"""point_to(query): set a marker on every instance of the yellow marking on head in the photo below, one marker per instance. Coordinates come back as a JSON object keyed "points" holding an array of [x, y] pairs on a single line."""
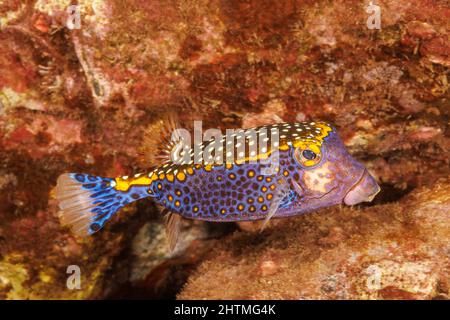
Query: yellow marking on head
{"points": [[326, 129], [313, 146], [314, 143], [309, 163], [259, 156]]}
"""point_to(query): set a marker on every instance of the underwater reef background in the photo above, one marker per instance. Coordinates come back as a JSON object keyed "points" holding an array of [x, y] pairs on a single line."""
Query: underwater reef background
{"points": [[81, 100]]}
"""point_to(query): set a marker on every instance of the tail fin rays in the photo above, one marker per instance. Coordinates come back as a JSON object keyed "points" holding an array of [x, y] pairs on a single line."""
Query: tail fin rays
{"points": [[86, 201]]}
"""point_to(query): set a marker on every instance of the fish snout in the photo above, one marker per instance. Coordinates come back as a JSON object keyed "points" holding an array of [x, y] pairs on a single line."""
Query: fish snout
{"points": [[363, 191]]}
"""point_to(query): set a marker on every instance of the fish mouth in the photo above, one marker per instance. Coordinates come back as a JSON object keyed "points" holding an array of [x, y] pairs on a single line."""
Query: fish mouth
{"points": [[364, 190]]}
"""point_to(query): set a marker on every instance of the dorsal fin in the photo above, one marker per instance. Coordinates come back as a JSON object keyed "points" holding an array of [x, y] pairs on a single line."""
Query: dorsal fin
{"points": [[157, 144]]}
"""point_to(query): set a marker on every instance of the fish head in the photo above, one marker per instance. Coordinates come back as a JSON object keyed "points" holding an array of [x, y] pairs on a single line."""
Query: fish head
{"points": [[325, 174]]}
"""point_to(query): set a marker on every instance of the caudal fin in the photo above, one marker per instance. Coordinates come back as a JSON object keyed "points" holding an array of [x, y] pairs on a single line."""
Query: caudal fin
{"points": [[87, 201]]}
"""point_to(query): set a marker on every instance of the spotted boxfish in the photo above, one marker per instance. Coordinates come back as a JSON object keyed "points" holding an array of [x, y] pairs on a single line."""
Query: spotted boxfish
{"points": [[295, 168]]}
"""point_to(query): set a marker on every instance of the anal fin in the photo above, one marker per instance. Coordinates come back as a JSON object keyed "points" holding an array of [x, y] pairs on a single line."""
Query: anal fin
{"points": [[173, 224]]}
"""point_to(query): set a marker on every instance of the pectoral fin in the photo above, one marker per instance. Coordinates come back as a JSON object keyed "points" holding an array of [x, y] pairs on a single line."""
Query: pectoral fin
{"points": [[281, 191]]}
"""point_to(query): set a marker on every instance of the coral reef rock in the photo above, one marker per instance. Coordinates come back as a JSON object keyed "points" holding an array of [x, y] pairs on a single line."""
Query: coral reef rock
{"points": [[390, 251], [81, 99]]}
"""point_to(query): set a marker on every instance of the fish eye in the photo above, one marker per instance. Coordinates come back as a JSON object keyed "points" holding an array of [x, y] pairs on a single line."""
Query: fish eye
{"points": [[308, 156]]}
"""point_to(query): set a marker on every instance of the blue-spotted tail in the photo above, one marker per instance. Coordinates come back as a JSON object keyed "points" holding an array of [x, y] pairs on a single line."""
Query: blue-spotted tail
{"points": [[87, 201]]}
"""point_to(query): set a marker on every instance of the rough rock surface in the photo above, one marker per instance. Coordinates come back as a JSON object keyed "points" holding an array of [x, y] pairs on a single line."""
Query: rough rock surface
{"points": [[81, 99], [391, 251]]}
